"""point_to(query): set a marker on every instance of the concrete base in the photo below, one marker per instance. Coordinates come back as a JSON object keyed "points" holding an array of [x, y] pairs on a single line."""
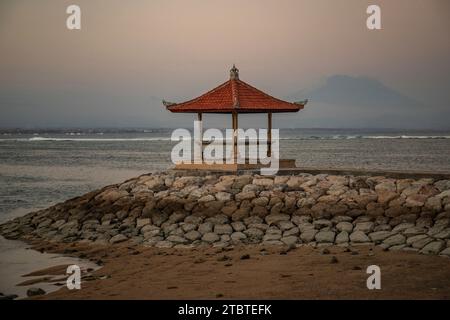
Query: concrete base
{"points": [[233, 167], [332, 171]]}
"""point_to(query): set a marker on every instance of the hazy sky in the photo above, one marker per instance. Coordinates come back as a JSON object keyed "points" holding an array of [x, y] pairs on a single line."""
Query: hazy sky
{"points": [[131, 54]]}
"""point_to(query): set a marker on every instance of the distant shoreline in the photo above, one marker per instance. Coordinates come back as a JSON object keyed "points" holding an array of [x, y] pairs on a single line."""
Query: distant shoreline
{"points": [[62, 129]]}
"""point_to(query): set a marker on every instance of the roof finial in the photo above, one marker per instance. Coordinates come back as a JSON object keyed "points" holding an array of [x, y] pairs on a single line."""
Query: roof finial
{"points": [[234, 73]]}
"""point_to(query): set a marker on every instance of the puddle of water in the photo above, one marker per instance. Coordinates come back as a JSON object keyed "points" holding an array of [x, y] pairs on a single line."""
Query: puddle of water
{"points": [[17, 259]]}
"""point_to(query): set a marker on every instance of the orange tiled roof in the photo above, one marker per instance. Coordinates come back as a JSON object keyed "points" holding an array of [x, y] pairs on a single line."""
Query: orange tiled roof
{"points": [[235, 96]]}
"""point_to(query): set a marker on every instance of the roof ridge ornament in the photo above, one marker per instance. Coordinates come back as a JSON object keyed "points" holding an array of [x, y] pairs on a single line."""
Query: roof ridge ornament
{"points": [[234, 73], [168, 104], [302, 102]]}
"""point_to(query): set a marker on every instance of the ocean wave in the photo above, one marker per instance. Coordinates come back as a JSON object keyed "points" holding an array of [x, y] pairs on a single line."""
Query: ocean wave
{"points": [[406, 137], [97, 139], [102, 138]]}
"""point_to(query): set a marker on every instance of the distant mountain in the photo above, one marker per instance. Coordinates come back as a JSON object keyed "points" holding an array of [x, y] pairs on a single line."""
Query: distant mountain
{"points": [[357, 91], [361, 102]]}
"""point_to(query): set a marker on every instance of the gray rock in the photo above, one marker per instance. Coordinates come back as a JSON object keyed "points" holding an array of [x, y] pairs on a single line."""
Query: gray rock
{"points": [[210, 237], [297, 220], [305, 227], [223, 196], [308, 235], [289, 240], [325, 237], [193, 235], [339, 219], [205, 227], [422, 242], [193, 220], [35, 292], [442, 185], [248, 195], [186, 227], [118, 238], [137, 239], [159, 219], [254, 233], [342, 237], [8, 296], [238, 226], [424, 222], [382, 227], [285, 225], [444, 234], [206, 198], [272, 236], [168, 227], [261, 226], [275, 218], [238, 236], [142, 222], [291, 232], [402, 227], [415, 238], [176, 239], [152, 233], [164, 244], [252, 220], [414, 231], [59, 223], [322, 223], [223, 229], [218, 219], [177, 217], [264, 182], [273, 243], [260, 201], [433, 247], [69, 225], [344, 226], [445, 252], [436, 229], [359, 237], [273, 230], [395, 240], [386, 186], [444, 222], [365, 227], [380, 235]]}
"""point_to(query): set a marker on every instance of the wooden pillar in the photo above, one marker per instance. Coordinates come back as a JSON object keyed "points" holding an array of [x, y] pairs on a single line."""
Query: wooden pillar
{"points": [[235, 141], [199, 118], [269, 134]]}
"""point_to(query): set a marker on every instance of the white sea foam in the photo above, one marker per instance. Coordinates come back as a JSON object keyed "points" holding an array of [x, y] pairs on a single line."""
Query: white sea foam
{"points": [[406, 137], [97, 139], [102, 138]]}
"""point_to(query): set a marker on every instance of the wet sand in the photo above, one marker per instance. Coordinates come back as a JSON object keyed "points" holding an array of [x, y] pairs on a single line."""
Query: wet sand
{"points": [[250, 272], [18, 264]]}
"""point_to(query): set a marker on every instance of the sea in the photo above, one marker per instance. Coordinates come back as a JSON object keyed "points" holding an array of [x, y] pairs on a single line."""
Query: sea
{"points": [[39, 168]]}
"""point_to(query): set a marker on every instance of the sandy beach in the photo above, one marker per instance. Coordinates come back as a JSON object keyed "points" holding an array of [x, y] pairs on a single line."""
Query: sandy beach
{"points": [[298, 236], [256, 272]]}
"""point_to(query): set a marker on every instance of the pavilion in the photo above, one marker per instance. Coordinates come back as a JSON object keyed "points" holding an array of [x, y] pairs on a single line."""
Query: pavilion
{"points": [[234, 97]]}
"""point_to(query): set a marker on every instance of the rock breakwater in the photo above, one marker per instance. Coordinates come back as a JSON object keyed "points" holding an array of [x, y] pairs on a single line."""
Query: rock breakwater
{"points": [[167, 210]]}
